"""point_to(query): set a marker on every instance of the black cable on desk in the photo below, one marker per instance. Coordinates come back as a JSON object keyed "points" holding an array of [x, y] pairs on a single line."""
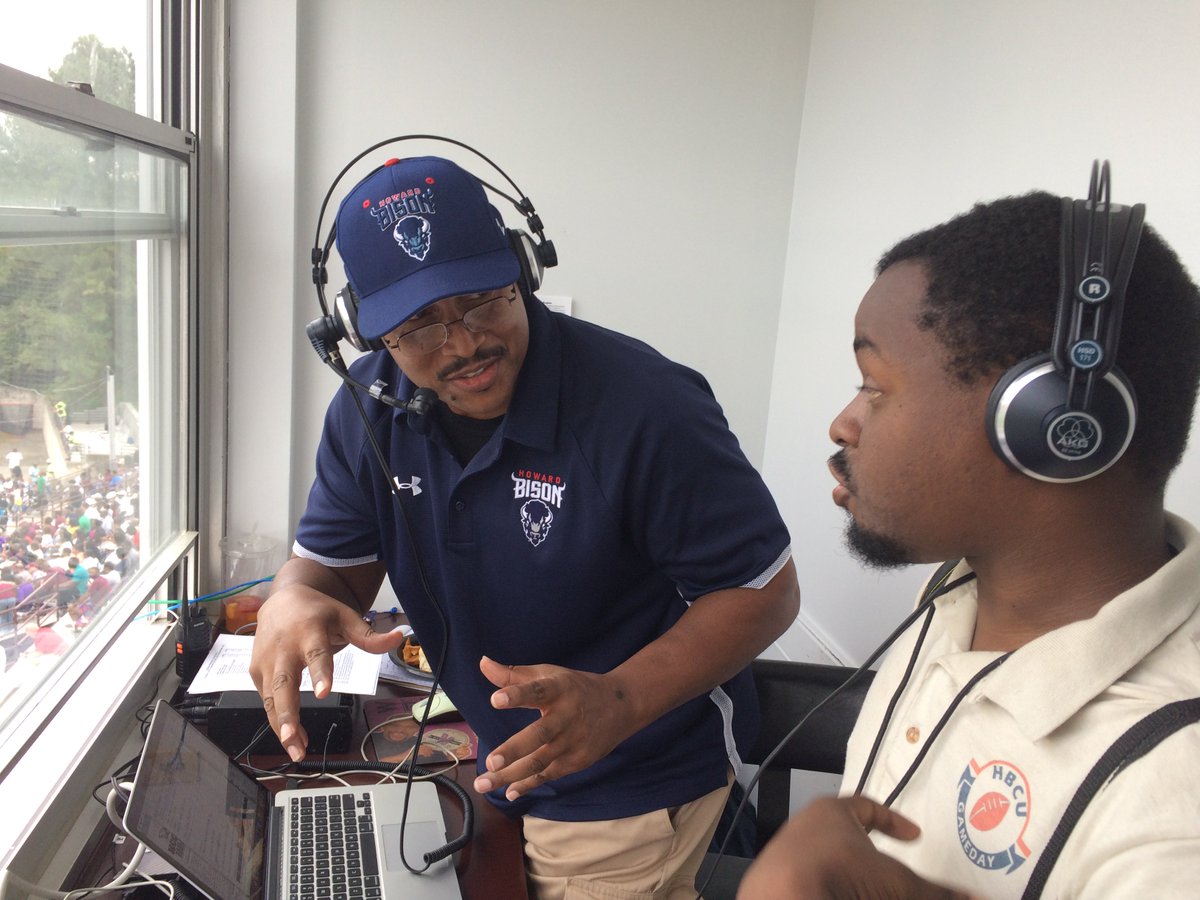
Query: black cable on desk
{"points": [[455, 788]]}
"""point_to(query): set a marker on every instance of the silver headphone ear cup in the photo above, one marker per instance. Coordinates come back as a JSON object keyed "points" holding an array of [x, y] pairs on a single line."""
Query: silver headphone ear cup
{"points": [[1031, 428], [528, 256], [345, 314]]}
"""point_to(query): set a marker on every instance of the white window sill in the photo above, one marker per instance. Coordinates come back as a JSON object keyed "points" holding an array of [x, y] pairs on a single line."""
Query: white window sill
{"points": [[76, 733]]}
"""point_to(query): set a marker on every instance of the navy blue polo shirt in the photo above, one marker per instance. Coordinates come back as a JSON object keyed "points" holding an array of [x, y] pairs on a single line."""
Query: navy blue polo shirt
{"points": [[611, 495]]}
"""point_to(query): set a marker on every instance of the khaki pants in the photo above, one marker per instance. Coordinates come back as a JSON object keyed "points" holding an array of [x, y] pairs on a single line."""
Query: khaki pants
{"points": [[654, 856]]}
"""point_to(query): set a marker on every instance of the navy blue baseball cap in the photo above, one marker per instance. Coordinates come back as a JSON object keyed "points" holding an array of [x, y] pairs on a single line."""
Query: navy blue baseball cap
{"points": [[415, 231]]}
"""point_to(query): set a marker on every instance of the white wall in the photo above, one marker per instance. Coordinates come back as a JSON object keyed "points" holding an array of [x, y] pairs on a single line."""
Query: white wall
{"points": [[265, 270], [912, 112], [663, 143], [657, 140]]}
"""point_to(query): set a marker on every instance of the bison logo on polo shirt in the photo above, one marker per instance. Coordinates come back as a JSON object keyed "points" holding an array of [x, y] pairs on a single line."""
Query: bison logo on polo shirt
{"points": [[542, 494], [536, 518]]}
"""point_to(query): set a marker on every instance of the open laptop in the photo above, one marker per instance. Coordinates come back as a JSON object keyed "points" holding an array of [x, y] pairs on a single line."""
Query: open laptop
{"points": [[226, 834]]}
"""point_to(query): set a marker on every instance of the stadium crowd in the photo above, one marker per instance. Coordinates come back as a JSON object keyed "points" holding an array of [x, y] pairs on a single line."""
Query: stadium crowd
{"points": [[65, 544]]}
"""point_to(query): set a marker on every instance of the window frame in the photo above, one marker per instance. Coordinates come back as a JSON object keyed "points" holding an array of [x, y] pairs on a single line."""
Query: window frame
{"points": [[43, 839]]}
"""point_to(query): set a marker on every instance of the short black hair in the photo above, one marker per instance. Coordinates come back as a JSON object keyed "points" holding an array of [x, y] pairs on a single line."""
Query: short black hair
{"points": [[993, 292]]}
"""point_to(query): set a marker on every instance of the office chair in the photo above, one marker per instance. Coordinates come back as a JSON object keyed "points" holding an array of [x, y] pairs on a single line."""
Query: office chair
{"points": [[786, 692]]}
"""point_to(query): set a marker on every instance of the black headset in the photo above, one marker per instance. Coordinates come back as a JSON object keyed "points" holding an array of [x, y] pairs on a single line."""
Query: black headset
{"points": [[1069, 414], [341, 324]]}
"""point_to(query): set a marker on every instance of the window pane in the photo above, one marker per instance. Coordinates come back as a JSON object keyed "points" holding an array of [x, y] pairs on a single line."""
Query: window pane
{"points": [[92, 251], [70, 173], [107, 45]]}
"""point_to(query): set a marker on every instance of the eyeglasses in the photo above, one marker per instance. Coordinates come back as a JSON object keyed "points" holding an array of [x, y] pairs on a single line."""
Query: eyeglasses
{"points": [[488, 312]]}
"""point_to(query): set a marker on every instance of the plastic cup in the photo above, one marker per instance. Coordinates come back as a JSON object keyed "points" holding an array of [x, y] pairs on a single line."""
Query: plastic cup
{"points": [[245, 558]]}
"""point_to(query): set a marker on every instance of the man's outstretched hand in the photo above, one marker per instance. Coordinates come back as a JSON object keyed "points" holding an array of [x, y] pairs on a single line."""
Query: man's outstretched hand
{"points": [[583, 717]]}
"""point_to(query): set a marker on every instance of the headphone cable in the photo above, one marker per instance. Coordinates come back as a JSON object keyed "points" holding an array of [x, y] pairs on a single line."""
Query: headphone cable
{"points": [[445, 622], [935, 589]]}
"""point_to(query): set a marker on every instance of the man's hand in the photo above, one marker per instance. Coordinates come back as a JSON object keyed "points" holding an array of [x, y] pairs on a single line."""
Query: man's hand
{"points": [[823, 852], [583, 717], [301, 626]]}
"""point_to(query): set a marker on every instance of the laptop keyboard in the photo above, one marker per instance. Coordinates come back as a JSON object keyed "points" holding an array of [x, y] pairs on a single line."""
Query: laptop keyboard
{"points": [[332, 848]]}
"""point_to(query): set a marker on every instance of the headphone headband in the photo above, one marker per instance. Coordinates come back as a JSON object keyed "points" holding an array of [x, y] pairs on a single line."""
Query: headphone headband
{"points": [[534, 255], [1099, 244], [1069, 414]]}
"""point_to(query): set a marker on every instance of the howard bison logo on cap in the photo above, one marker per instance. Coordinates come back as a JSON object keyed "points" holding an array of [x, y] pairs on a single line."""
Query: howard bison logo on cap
{"points": [[412, 233]]}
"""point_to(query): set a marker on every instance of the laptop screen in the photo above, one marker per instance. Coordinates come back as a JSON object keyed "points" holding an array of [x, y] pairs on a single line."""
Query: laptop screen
{"points": [[198, 810]]}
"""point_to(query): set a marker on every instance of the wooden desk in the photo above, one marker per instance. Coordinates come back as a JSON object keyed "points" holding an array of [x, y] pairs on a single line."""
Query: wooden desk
{"points": [[490, 867]]}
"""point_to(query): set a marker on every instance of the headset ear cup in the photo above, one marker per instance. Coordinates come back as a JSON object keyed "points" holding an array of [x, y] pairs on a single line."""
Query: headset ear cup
{"points": [[1031, 429], [345, 317], [529, 258]]}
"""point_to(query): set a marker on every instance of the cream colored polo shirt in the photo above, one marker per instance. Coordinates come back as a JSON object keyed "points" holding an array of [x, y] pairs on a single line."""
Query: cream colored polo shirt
{"points": [[997, 779]]}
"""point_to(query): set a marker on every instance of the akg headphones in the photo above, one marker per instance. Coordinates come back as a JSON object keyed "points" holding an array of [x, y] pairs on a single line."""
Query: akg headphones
{"points": [[341, 323], [1069, 414]]}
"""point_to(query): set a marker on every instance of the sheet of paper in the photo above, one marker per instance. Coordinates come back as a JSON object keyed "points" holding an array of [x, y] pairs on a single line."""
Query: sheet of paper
{"points": [[227, 668]]}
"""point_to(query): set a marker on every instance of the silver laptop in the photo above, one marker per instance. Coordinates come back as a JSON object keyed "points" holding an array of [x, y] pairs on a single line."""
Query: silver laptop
{"points": [[226, 834]]}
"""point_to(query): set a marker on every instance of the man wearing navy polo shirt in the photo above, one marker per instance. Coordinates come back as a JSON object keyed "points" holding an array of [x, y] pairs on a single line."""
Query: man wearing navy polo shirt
{"points": [[582, 544]]}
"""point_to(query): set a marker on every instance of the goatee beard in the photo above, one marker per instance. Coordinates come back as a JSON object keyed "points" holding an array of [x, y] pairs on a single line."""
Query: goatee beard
{"points": [[876, 550]]}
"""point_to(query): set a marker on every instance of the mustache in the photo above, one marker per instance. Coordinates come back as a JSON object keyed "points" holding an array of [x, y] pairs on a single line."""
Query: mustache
{"points": [[841, 467], [483, 355]]}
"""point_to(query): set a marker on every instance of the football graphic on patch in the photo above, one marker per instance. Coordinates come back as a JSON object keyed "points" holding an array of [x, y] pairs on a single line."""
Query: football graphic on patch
{"points": [[991, 813], [988, 811]]}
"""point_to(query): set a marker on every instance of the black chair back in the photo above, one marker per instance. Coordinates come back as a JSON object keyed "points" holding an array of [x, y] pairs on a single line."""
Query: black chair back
{"points": [[787, 692]]}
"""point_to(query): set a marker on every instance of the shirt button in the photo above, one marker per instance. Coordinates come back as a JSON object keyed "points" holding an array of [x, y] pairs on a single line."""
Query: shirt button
{"points": [[913, 734], [459, 505]]}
